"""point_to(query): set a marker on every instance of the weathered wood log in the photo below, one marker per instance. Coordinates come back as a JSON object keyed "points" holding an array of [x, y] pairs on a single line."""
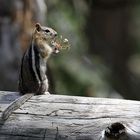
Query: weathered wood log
{"points": [[58, 117]]}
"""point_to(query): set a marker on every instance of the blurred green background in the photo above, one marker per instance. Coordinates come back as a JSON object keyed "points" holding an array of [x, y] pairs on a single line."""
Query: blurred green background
{"points": [[104, 59]]}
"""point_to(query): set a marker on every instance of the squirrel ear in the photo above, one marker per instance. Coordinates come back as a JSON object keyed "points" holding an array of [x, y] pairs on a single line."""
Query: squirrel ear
{"points": [[38, 26]]}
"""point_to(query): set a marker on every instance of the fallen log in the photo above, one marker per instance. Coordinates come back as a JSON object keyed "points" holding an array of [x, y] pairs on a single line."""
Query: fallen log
{"points": [[59, 117]]}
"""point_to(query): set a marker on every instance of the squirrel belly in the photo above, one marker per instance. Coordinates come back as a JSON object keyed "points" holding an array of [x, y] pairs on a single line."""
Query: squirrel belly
{"points": [[32, 78]]}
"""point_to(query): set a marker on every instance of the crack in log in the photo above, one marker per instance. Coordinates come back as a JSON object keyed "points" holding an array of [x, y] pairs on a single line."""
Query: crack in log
{"points": [[129, 127], [70, 111], [20, 135], [57, 133], [92, 103], [45, 134], [81, 117]]}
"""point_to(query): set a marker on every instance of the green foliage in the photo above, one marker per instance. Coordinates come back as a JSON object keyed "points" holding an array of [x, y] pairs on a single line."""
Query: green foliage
{"points": [[73, 71]]}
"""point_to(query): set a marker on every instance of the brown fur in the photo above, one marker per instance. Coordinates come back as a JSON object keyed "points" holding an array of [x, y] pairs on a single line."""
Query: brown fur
{"points": [[40, 37]]}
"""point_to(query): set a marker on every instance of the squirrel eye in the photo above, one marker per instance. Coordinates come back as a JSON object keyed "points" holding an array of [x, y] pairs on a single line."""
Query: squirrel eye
{"points": [[47, 31]]}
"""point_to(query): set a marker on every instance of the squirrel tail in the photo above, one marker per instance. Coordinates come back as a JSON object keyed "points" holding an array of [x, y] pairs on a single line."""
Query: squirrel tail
{"points": [[15, 105]]}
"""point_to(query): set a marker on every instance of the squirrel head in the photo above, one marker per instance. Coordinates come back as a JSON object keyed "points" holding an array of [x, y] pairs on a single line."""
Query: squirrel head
{"points": [[45, 33], [43, 37]]}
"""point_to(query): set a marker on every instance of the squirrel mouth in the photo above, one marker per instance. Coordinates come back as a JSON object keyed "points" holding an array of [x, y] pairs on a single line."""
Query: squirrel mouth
{"points": [[56, 46], [56, 51]]}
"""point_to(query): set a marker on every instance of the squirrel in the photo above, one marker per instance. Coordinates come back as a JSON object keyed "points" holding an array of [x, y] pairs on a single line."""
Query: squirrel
{"points": [[32, 76]]}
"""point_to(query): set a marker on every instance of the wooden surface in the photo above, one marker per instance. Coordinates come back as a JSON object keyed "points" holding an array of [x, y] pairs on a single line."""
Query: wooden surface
{"points": [[58, 117]]}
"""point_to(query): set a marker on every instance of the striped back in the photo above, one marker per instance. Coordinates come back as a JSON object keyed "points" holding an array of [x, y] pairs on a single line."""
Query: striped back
{"points": [[32, 78]]}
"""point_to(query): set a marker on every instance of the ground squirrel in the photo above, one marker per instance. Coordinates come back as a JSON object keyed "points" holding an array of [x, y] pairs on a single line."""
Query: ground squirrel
{"points": [[32, 77]]}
